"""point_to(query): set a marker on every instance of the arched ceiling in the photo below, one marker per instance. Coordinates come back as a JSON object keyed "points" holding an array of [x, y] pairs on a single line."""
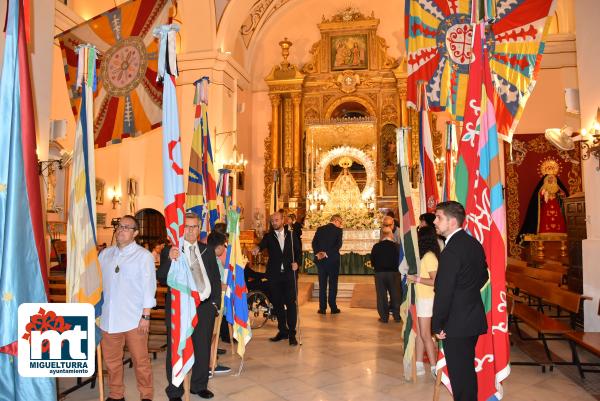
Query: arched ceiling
{"points": [[297, 20]]}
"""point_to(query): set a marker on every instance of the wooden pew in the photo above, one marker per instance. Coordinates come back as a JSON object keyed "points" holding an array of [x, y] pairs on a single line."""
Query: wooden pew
{"points": [[546, 327], [157, 339], [57, 292], [588, 341], [537, 273]]}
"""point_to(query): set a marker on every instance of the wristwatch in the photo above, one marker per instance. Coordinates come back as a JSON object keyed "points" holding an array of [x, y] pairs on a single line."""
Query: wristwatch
{"points": [[146, 317]]}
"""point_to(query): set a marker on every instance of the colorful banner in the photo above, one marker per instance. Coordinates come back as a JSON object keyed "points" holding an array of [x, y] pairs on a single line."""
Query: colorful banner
{"points": [[448, 190], [202, 187], [84, 275], [184, 294], [439, 42], [428, 189], [479, 188], [236, 294], [128, 98], [409, 260], [22, 251], [224, 199]]}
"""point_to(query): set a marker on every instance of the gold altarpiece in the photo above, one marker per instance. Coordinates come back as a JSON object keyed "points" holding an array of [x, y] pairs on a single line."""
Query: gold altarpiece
{"points": [[363, 76]]}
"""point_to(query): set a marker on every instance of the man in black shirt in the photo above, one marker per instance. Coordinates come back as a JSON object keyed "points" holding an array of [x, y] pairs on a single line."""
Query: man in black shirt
{"points": [[385, 259]]}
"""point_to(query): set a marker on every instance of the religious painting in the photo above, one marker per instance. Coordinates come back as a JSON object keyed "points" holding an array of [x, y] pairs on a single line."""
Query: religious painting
{"points": [[349, 52], [100, 219], [240, 178], [99, 191]]}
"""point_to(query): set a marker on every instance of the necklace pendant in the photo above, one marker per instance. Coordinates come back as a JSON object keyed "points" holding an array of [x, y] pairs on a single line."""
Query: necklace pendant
{"points": [[117, 269]]}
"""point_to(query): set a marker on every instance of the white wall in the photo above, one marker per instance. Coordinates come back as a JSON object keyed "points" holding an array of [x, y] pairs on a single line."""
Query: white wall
{"points": [[588, 58]]}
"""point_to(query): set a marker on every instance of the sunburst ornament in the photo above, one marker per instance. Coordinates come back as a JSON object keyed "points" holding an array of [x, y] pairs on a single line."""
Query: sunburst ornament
{"points": [[128, 98], [438, 40], [2, 188], [549, 166]]}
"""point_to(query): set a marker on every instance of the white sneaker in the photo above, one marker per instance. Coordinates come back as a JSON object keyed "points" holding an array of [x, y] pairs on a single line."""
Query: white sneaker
{"points": [[420, 369]]}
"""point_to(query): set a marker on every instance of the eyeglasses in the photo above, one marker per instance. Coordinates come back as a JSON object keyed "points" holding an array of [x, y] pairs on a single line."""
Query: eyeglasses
{"points": [[191, 227], [120, 227]]}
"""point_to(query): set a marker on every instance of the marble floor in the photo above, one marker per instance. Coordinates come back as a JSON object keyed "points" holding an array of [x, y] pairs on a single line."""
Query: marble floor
{"points": [[350, 356]]}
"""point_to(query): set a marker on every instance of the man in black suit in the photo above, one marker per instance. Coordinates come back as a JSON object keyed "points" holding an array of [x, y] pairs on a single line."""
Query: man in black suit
{"points": [[326, 247], [458, 312], [285, 253], [202, 260], [294, 225]]}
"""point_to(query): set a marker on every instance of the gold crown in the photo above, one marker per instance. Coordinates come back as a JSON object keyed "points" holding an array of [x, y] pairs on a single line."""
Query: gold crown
{"points": [[345, 162], [549, 167]]}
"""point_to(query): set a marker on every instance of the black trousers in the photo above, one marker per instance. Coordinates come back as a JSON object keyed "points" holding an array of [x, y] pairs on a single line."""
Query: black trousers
{"points": [[201, 338], [328, 276], [460, 357], [283, 298], [388, 283]]}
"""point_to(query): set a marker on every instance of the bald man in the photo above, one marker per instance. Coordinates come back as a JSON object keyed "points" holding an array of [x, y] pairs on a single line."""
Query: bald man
{"points": [[285, 253]]}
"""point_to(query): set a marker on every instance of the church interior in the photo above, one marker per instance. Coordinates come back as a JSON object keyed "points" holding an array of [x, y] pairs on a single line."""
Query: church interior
{"points": [[320, 109]]}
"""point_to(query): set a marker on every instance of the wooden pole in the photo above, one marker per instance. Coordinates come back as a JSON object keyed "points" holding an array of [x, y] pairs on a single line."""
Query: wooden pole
{"points": [[231, 338], [216, 336], [436, 389], [186, 387], [100, 373]]}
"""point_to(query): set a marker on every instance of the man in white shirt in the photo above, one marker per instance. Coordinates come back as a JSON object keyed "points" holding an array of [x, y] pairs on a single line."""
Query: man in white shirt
{"points": [[129, 287], [203, 264]]}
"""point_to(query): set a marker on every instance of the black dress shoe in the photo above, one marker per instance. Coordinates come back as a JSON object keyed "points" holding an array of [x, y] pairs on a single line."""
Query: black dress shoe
{"points": [[115, 399], [175, 399], [334, 311], [146, 399], [220, 351], [321, 311], [383, 320], [293, 341], [206, 393], [279, 337]]}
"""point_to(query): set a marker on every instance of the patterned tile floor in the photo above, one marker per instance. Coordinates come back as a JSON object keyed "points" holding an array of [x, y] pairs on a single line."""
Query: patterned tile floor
{"points": [[349, 356]]}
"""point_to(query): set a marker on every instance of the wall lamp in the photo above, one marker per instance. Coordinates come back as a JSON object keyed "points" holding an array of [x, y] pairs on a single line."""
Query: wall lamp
{"points": [[591, 143], [115, 197]]}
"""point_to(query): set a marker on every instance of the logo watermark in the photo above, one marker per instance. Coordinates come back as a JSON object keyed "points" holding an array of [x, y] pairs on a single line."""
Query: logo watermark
{"points": [[56, 340]]}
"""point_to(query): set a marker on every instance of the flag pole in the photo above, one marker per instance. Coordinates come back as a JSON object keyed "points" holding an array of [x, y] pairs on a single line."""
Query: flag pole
{"points": [[296, 275], [215, 342], [186, 387], [100, 373]]}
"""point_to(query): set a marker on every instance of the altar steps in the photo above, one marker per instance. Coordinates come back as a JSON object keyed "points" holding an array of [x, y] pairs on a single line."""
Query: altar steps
{"points": [[359, 295]]}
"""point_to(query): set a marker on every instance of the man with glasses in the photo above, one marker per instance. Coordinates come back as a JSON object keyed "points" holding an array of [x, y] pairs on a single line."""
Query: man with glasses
{"points": [[129, 287], [203, 264]]}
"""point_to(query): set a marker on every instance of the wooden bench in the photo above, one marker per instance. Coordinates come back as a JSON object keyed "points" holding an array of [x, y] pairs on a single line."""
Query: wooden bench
{"points": [[537, 273], [546, 327], [588, 341], [57, 292], [157, 338]]}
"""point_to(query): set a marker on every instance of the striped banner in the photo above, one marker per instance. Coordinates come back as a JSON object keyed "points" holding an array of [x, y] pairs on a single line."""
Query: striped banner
{"points": [[448, 189], [479, 188], [202, 187], [235, 300], [428, 190], [223, 194], [409, 261], [184, 295], [84, 275]]}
